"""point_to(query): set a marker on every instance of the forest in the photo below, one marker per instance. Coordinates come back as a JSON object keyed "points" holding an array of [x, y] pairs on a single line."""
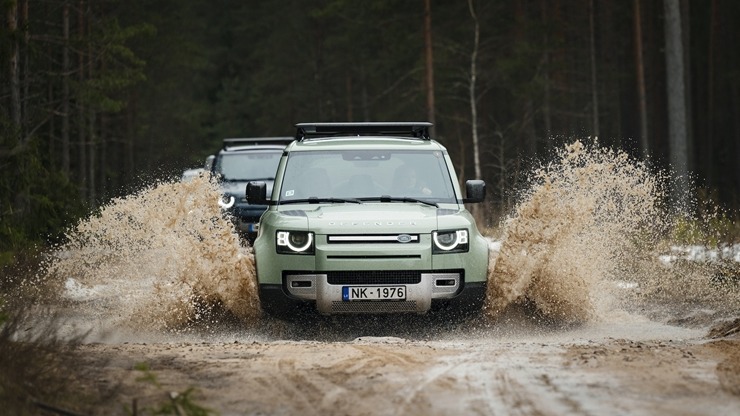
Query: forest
{"points": [[100, 97]]}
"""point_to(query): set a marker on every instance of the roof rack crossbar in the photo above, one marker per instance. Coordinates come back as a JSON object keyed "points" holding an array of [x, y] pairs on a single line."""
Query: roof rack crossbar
{"points": [[418, 130], [231, 142]]}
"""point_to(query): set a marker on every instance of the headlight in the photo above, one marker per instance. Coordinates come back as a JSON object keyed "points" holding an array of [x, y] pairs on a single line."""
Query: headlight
{"points": [[455, 241], [295, 242], [226, 201]]}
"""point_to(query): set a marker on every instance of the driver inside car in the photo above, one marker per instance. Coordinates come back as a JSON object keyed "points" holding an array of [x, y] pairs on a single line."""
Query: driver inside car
{"points": [[405, 183]]}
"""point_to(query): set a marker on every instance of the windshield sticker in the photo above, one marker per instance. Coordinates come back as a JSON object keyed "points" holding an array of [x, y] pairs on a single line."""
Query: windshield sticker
{"points": [[289, 193]]}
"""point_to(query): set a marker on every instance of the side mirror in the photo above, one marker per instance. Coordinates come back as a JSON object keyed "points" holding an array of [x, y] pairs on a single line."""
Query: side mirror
{"points": [[475, 190], [257, 193]]}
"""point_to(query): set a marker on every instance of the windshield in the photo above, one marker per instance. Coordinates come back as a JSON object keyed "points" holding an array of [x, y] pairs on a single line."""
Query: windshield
{"points": [[248, 166], [367, 174]]}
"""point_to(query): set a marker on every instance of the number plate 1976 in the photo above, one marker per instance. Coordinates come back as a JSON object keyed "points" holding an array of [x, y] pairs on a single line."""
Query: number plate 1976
{"points": [[373, 293]]}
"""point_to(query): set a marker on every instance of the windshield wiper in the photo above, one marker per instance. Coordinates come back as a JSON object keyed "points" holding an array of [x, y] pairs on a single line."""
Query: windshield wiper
{"points": [[386, 198], [316, 200], [248, 179]]}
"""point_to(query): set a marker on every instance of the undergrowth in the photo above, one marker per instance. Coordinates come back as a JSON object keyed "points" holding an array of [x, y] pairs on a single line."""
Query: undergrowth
{"points": [[38, 372]]}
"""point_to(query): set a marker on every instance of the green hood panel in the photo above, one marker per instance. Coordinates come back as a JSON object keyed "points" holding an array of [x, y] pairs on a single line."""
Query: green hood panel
{"points": [[371, 218]]}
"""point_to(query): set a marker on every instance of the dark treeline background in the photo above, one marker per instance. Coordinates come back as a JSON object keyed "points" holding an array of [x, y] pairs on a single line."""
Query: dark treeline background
{"points": [[99, 96]]}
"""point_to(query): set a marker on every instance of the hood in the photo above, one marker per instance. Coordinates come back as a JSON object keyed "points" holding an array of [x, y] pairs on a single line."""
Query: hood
{"points": [[372, 218]]}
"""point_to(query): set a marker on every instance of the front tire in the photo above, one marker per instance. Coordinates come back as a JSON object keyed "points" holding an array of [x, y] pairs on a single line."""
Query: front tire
{"points": [[277, 304]]}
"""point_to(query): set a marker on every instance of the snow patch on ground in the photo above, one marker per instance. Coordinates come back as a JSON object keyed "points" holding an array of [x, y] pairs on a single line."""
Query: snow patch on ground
{"points": [[698, 253]]}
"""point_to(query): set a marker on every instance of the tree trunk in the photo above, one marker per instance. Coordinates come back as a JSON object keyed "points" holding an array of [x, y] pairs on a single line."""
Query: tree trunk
{"points": [[526, 132], [13, 65], [66, 151], [594, 83], [26, 27], [429, 60], [81, 119], [546, 112], [735, 107], [92, 154], [709, 139], [91, 124], [21, 198], [477, 211], [686, 47], [473, 98], [676, 92], [641, 90], [51, 129], [103, 162], [502, 175], [130, 144]]}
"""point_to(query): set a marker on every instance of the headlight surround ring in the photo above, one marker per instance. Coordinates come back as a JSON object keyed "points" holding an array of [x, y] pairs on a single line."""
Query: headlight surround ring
{"points": [[451, 241], [295, 242], [226, 205]]}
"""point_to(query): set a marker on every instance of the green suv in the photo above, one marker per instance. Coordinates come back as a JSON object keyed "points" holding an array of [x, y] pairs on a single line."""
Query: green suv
{"points": [[368, 218]]}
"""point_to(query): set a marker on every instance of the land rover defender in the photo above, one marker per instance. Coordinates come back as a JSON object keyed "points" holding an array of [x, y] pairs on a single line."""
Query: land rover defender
{"points": [[368, 218]]}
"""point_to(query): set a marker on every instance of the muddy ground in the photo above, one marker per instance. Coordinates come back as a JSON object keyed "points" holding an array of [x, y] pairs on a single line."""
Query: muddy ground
{"points": [[623, 320], [421, 365]]}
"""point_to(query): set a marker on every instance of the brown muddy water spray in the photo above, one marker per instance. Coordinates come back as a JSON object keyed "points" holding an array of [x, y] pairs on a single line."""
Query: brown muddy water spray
{"points": [[161, 258], [590, 222]]}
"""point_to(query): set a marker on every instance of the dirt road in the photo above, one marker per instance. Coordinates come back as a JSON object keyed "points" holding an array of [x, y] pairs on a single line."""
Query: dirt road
{"points": [[516, 366], [647, 326]]}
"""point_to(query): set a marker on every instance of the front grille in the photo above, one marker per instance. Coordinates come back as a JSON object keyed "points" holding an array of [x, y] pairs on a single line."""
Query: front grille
{"points": [[374, 277], [373, 307], [375, 257], [373, 238]]}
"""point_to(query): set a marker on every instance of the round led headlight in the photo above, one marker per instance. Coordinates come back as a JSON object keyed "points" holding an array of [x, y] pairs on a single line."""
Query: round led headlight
{"points": [[447, 241], [225, 202], [295, 241]]}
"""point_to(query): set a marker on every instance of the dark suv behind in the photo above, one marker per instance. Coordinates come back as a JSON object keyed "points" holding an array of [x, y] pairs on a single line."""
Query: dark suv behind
{"points": [[239, 161]]}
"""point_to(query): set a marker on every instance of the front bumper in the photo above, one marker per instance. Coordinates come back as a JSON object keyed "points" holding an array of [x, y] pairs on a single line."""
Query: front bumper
{"points": [[424, 290], [326, 290]]}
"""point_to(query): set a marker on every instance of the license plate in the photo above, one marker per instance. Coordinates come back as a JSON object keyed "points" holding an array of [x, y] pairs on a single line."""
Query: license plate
{"points": [[350, 293]]}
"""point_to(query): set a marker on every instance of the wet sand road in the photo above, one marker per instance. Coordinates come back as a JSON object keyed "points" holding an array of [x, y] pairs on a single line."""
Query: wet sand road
{"points": [[588, 244], [635, 367]]}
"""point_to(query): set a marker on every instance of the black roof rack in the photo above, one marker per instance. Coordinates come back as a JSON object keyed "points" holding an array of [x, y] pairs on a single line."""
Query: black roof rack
{"points": [[256, 141], [414, 129]]}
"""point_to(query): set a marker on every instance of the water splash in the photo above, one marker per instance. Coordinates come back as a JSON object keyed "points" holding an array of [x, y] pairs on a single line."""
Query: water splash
{"points": [[161, 258], [591, 237], [589, 225], [582, 217]]}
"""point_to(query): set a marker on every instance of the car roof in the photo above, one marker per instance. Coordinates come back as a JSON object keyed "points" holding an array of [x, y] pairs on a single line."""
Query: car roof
{"points": [[365, 135], [409, 129], [255, 143], [242, 149]]}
